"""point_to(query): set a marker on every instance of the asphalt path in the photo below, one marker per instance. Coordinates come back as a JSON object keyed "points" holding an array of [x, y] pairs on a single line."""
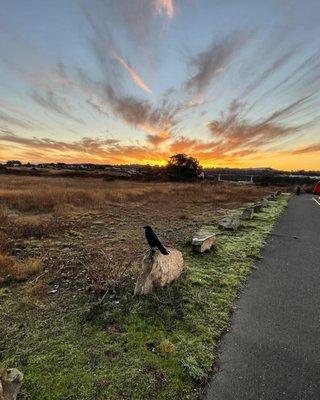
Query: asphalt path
{"points": [[272, 350]]}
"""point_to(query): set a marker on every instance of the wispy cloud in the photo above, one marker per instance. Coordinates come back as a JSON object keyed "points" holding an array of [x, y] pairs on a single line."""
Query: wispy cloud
{"points": [[54, 103], [135, 77], [236, 136], [85, 145], [310, 148], [11, 120], [213, 61], [157, 121], [103, 44], [276, 65]]}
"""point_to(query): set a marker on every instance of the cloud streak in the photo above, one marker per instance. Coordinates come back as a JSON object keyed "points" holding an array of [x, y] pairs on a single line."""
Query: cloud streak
{"points": [[54, 103], [156, 121], [18, 122], [135, 77], [311, 148], [213, 61], [103, 43], [276, 65]]}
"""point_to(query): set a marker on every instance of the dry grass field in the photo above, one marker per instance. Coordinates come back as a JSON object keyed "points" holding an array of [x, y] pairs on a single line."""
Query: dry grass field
{"points": [[97, 225]]}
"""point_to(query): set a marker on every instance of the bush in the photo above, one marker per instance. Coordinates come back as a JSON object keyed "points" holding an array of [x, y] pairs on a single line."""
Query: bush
{"points": [[182, 167]]}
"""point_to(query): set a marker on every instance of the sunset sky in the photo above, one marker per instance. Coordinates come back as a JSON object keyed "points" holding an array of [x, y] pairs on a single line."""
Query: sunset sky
{"points": [[232, 82]]}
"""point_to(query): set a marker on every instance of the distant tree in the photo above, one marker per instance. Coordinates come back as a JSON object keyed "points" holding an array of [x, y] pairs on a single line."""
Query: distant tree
{"points": [[183, 167], [14, 163]]}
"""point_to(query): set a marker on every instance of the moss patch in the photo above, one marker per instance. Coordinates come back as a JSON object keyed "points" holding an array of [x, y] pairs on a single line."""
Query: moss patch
{"points": [[159, 347]]}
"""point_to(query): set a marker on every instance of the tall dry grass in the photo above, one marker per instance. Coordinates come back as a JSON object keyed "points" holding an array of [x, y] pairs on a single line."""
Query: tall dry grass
{"points": [[43, 195], [3, 215], [12, 269], [36, 207]]}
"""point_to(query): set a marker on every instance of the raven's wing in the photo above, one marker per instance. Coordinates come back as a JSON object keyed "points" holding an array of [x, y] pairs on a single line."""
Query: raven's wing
{"points": [[161, 247]]}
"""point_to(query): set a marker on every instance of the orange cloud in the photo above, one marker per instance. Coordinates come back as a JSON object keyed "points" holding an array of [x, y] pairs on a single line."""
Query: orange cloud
{"points": [[310, 148], [135, 77], [164, 7], [105, 151]]}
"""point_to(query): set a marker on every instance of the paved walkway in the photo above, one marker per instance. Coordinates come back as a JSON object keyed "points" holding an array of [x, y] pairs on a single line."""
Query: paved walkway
{"points": [[273, 348]]}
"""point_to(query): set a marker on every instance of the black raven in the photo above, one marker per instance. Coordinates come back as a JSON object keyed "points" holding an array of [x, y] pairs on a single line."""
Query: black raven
{"points": [[154, 241]]}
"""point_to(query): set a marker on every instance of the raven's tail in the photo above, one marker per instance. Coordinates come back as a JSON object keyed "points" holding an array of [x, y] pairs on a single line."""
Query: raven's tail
{"points": [[162, 249]]}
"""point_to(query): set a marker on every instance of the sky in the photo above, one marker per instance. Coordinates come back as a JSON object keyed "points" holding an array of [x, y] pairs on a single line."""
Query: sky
{"points": [[231, 82]]}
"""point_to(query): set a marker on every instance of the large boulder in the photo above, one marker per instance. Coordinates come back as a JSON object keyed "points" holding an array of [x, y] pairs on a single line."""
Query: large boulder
{"points": [[229, 223], [264, 202], [257, 207], [203, 240], [158, 270], [247, 213], [10, 383]]}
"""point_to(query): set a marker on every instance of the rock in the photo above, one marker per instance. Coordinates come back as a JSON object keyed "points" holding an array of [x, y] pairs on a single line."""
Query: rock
{"points": [[98, 222], [271, 197], [278, 193], [229, 223], [257, 207], [203, 240], [10, 383], [264, 202], [54, 289], [158, 270], [247, 213]]}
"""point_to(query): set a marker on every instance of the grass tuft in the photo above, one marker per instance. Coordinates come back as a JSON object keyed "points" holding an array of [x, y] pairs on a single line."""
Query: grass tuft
{"points": [[12, 269], [165, 348]]}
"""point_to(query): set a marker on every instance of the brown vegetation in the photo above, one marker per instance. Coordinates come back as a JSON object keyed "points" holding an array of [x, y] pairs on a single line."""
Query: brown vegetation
{"points": [[91, 229], [27, 194], [12, 269]]}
